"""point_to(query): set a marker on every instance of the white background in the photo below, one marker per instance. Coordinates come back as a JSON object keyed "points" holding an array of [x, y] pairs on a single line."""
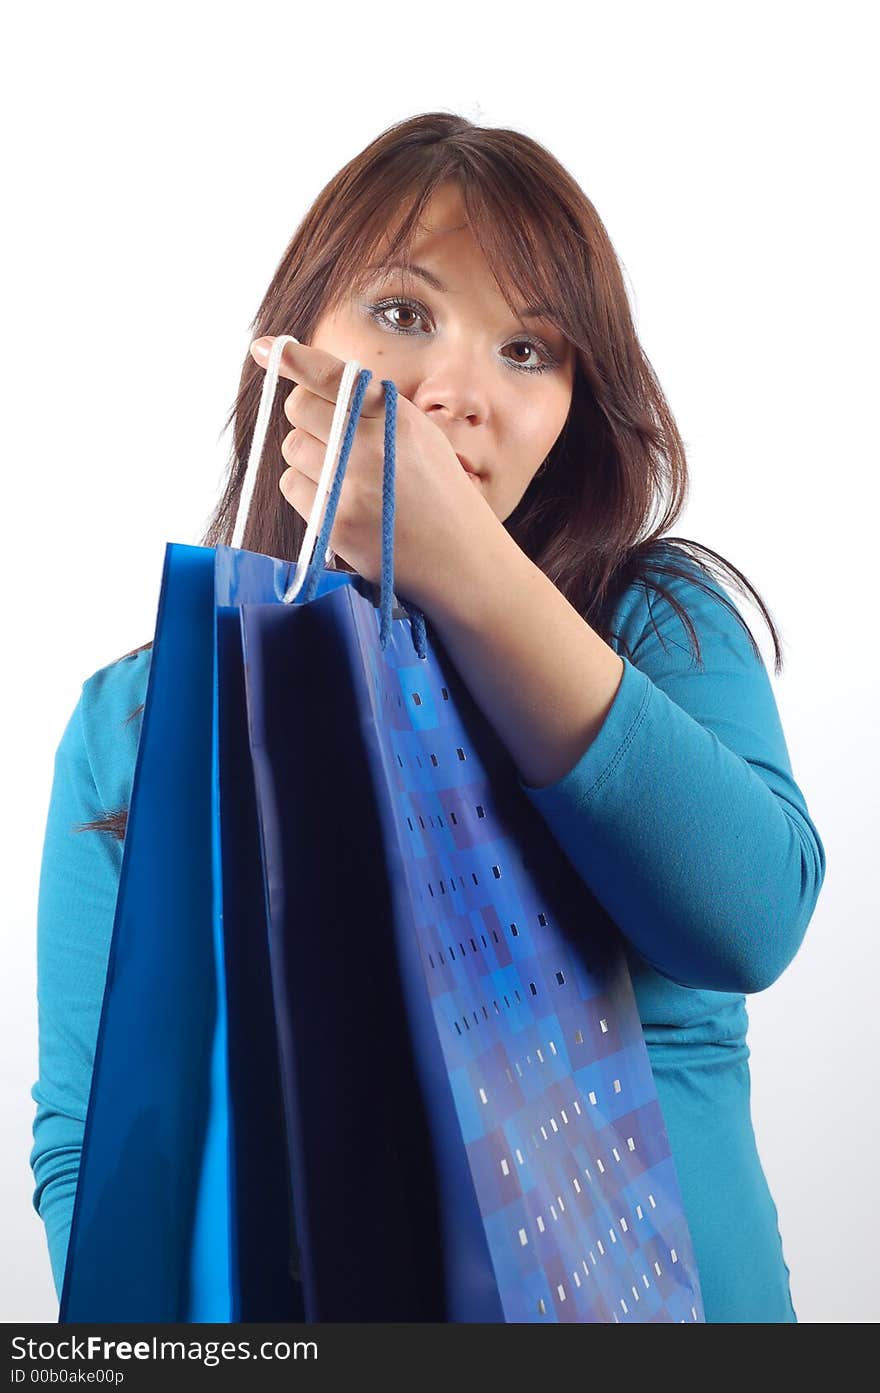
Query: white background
{"points": [[156, 162]]}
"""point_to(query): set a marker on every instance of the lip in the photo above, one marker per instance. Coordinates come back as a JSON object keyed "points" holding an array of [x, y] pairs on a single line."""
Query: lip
{"points": [[466, 464]]}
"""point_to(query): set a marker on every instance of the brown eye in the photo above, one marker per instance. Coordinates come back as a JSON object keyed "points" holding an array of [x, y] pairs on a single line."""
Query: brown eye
{"points": [[529, 347], [412, 312], [403, 309], [381, 312]]}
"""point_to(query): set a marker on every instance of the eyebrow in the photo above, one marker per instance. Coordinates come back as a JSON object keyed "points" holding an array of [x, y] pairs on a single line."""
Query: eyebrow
{"points": [[539, 312]]}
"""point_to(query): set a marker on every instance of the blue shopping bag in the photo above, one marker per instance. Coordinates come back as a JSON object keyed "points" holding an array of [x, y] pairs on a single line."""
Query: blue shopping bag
{"points": [[353, 1031], [473, 1127], [182, 1209], [475, 1133]]}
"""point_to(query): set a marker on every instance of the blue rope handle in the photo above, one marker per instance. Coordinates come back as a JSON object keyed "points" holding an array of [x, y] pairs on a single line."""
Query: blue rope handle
{"points": [[310, 584]]}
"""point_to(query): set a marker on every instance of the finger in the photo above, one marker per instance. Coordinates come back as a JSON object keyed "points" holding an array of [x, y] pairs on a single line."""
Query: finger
{"points": [[304, 453], [321, 372], [300, 491], [315, 415], [312, 419]]}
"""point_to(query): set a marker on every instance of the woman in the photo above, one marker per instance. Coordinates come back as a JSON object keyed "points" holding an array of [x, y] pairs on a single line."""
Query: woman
{"points": [[538, 472]]}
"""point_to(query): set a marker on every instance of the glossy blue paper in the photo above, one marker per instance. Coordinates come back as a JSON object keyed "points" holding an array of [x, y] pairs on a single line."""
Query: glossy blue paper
{"points": [[182, 1209]]}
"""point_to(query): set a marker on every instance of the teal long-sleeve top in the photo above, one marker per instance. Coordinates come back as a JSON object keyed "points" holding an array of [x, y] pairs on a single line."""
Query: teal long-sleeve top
{"points": [[684, 819]]}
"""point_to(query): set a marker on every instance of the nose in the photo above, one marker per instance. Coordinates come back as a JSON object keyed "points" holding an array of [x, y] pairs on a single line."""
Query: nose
{"points": [[452, 386]]}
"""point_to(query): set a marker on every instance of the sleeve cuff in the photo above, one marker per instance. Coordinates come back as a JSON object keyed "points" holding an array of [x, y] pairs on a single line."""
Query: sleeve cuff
{"points": [[601, 757]]}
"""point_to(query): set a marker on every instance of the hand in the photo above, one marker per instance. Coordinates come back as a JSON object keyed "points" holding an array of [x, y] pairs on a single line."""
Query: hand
{"points": [[436, 500]]}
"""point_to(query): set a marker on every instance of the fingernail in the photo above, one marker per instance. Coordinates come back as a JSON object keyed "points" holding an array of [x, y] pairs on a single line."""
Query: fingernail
{"points": [[261, 347]]}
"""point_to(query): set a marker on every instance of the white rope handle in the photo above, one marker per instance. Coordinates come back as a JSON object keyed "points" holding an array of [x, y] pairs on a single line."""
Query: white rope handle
{"points": [[328, 475], [328, 468]]}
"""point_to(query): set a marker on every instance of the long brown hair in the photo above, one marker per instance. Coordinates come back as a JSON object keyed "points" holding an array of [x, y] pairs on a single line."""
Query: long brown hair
{"points": [[615, 480]]}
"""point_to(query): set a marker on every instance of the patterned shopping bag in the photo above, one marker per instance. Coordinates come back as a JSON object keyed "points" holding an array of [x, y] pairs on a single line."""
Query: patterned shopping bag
{"points": [[473, 1127]]}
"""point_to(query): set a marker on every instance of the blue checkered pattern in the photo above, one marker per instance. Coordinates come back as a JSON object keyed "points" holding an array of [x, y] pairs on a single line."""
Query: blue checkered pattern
{"points": [[534, 1010]]}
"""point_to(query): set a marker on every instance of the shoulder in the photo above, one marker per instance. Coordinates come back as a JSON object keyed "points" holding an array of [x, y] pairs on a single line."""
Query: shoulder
{"points": [[118, 686], [111, 714], [701, 653], [672, 599]]}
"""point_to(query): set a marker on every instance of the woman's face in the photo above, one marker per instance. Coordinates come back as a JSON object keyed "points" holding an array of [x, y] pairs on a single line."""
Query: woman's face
{"points": [[499, 389]]}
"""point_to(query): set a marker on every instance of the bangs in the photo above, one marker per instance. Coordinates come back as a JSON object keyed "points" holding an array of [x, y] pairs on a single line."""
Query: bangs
{"points": [[515, 230]]}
